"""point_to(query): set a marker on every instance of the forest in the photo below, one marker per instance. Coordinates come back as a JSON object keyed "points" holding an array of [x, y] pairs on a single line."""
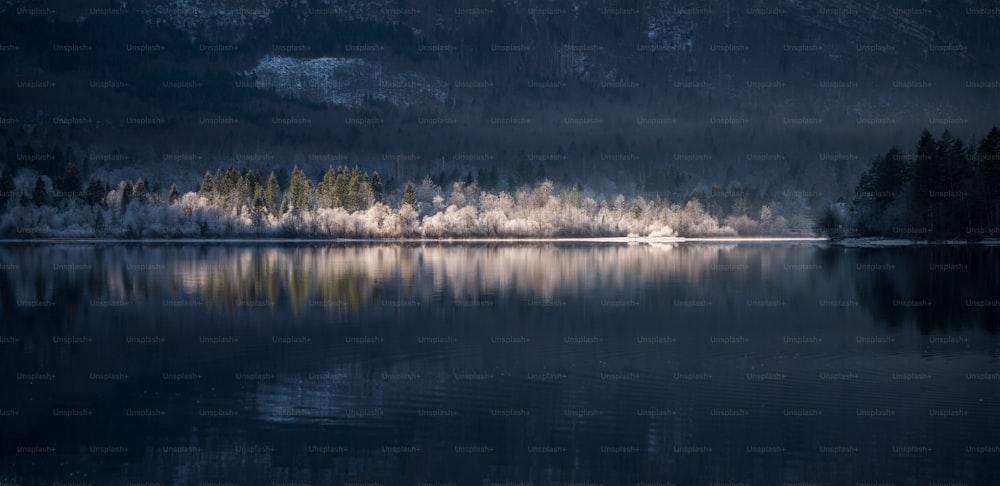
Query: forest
{"points": [[945, 189], [352, 203]]}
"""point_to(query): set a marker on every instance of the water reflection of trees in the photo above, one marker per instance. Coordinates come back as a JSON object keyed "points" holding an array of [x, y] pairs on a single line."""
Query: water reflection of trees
{"points": [[336, 277], [230, 280], [890, 283], [348, 279]]}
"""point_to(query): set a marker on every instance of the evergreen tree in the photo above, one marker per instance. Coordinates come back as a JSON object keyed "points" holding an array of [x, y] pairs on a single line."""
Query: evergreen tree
{"points": [[987, 187], [284, 205], [353, 202], [71, 181], [409, 196], [243, 194], [95, 191], [40, 196], [324, 189], [257, 206], [300, 191], [339, 190], [376, 184], [218, 184], [877, 189], [139, 191], [956, 172], [865, 210], [925, 179], [890, 174], [126, 193], [206, 188], [484, 179], [173, 195], [272, 195]]}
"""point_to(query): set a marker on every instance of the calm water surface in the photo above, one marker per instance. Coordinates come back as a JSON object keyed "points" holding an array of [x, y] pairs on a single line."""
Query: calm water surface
{"points": [[756, 364]]}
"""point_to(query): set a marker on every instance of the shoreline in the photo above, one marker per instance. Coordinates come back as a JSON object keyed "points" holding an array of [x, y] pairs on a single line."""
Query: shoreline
{"points": [[610, 239], [870, 242]]}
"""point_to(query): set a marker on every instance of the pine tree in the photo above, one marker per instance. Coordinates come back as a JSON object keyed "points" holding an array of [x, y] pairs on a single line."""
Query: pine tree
{"points": [[126, 193], [272, 195], [173, 195], [95, 191], [243, 194], [284, 205], [987, 188], [139, 191], [206, 188], [865, 204], [924, 179], [218, 184], [257, 206], [71, 181], [376, 184], [890, 174], [409, 196], [40, 196], [484, 179], [300, 191], [324, 189], [955, 174], [353, 202], [339, 190]]}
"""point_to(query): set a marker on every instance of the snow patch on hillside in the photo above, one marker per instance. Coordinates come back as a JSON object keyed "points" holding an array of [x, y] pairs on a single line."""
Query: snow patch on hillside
{"points": [[343, 81]]}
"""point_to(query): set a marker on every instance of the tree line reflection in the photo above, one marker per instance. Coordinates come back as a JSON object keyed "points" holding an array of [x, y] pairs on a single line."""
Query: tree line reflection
{"points": [[936, 288]]}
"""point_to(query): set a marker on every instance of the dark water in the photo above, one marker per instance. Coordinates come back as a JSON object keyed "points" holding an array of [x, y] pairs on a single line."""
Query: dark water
{"points": [[757, 364]]}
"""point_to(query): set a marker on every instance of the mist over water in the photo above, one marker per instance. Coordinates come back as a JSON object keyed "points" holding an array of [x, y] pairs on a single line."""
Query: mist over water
{"points": [[545, 363]]}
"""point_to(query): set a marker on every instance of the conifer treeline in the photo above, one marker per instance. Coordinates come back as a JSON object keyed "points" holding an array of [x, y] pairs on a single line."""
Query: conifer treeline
{"points": [[247, 190], [946, 188]]}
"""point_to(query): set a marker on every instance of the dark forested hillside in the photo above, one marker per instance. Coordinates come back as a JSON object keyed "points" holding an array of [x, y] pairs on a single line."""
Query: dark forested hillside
{"points": [[738, 105]]}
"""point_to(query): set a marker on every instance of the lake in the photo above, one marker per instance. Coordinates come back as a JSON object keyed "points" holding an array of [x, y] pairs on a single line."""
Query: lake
{"points": [[499, 363]]}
